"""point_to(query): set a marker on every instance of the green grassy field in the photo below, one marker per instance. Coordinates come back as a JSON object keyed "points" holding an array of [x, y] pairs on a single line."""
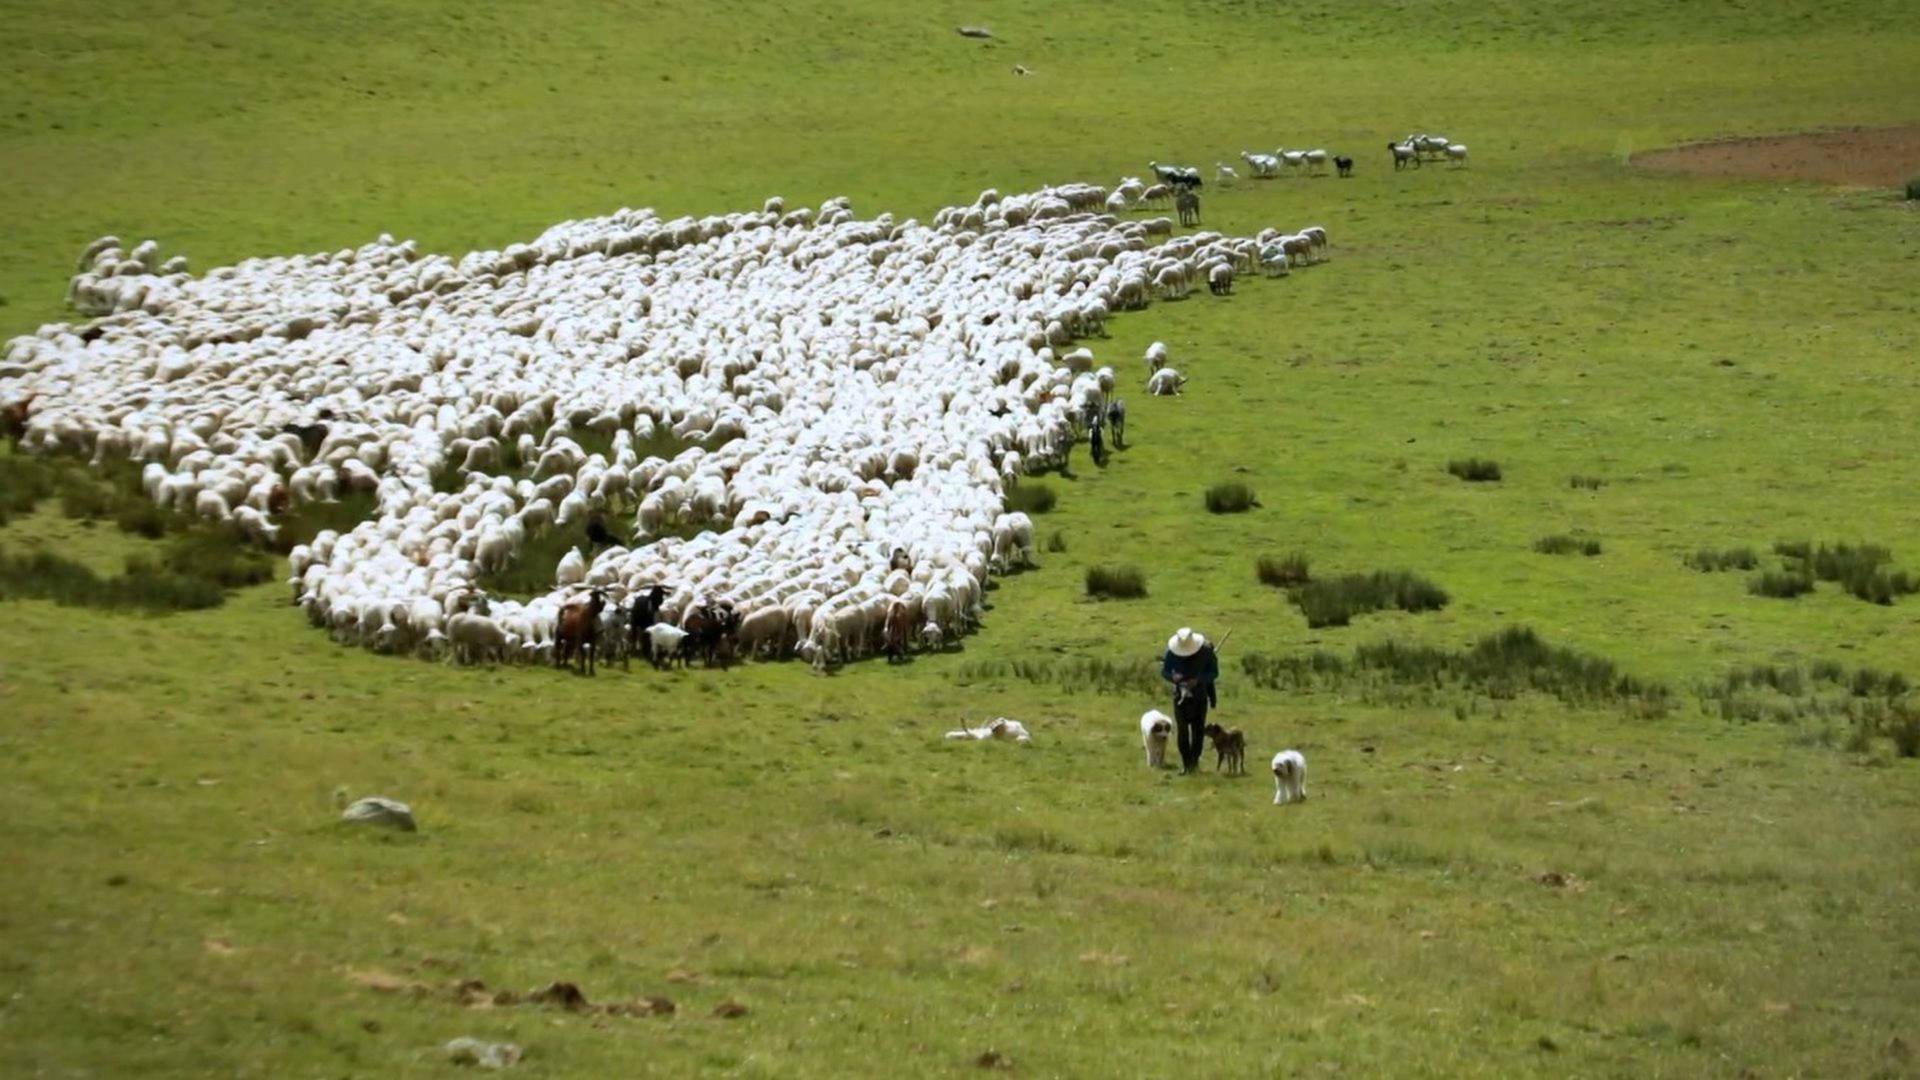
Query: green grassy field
{"points": [[1479, 885]]}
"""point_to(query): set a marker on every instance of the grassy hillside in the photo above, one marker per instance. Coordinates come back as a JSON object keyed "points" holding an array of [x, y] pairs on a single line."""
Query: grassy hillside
{"points": [[1479, 885]]}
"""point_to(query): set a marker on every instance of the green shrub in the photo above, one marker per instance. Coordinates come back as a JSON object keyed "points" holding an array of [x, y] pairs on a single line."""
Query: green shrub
{"points": [[1116, 582], [142, 517], [1499, 665], [1031, 497], [83, 499], [145, 586], [1707, 560], [1562, 544], [1590, 483], [216, 554], [1283, 572], [1474, 470], [1904, 727], [1782, 586], [1913, 192], [1232, 497], [1057, 542], [24, 481], [1860, 569], [1335, 601]]}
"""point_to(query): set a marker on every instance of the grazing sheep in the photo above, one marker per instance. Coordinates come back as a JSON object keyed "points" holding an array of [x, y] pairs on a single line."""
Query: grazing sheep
{"points": [[1404, 154], [1165, 383], [1220, 280], [1155, 727], [931, 637], [1289, 777], [1457, 153], [1230, 748]]}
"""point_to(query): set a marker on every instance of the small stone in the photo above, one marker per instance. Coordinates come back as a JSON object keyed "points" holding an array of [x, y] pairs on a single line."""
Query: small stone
{"points": [[374, 810]]}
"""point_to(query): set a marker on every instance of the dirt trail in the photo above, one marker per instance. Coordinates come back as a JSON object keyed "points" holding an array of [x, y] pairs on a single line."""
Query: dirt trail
{"points": [[1861, 157]]}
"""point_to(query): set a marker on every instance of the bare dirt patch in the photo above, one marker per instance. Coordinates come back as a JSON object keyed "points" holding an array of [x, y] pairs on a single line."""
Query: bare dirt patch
{"points": [[1859, 157]]}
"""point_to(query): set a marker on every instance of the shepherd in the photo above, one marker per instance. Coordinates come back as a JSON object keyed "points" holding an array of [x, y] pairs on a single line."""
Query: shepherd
{"points": [[1191, 665]]}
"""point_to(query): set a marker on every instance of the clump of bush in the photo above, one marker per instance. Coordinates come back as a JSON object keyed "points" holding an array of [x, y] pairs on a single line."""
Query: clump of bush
{"points": [[1563, 544], [1335, 601], [1474, 470], [1284, 571], [1499, 665], [24, 481], [220, 555], [1590, 483], [1708, 560], [1057, 542], [1913, 192], [1031, 497], [1116, 582], [145, 586], [1078, 674], [1781, 585], [1861, 569], [1232, 497]]}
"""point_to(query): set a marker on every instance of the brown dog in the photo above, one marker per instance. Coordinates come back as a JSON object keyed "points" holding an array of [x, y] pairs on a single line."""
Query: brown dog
{"points": [[1229, 748]]}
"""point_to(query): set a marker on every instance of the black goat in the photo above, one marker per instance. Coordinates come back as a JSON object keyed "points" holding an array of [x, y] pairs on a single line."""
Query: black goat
{"points": [[644, 613], [1117, 420], [1344, 164]]}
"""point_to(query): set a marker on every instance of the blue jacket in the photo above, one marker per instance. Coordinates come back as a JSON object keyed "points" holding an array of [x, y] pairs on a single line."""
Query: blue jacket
{"points": [[1203, 666]]}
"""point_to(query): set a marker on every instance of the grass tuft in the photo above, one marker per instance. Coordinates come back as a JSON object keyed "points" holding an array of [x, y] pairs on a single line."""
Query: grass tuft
{"points": [[1283, 572], [1116, 582], [1232, 497], [1335, 601], [1031, 497], [1708, 560], [1589, 483], [1563, 544], [1474, 470], [1498, 666], [1057, 542], [1781, 585]]}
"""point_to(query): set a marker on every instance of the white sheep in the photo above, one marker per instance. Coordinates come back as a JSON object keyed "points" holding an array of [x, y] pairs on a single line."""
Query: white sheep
{"points": [[1165, 382]]}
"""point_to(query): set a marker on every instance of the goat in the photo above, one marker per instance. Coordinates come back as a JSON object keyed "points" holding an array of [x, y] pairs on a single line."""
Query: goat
{"points": [[1289, 777], [577, 632], [644, 613], [1117, 420], [666, 643], [1230, 748], [1155, 727], [1344, 164], [1403, 154]]}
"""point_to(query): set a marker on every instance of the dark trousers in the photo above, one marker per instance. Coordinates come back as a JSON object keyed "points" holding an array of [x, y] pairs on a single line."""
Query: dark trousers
{"points": [[1190, 717]]}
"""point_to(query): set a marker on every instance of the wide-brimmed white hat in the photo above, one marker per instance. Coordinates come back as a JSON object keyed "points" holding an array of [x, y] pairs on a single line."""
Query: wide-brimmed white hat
{"points": [[1186, 642]]}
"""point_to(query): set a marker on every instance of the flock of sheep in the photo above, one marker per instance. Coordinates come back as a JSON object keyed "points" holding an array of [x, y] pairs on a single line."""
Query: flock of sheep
{"points": [[853, 397]]}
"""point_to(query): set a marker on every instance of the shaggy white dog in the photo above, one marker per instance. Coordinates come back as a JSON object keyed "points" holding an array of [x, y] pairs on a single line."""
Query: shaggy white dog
{"points": [[1155, 726], [1289, 777]]}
